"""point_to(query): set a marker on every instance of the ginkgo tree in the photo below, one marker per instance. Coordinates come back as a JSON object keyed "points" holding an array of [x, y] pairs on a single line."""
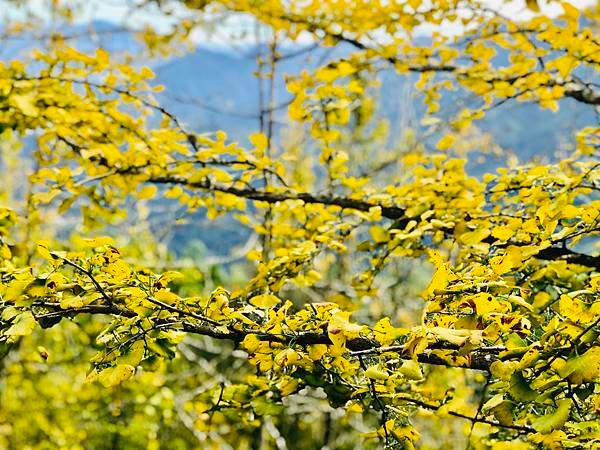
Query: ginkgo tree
{"points": [[505, 343]]}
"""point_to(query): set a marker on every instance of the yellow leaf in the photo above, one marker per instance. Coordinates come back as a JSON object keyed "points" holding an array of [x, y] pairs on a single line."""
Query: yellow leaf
{"points": [[254, 255], [71, 301], [446, 142], [375, 373], [26, 103], [441, 277], [486, 303], [42, 249], [411, 370], [23, 325], [147, 192], [503, 233], [533, 5], [339, 330], [146, 72], [265, 301], [251, 343], [569, 307], [416, 345], [99, 241], [340, 321], [102, 57], [570, 12], [575, 310], [584, 368], [474, 237], [169, 276], [135, 354], [115, 375], [287, 357], [570, 212], [316, 351], [166, 296], [260, 142], [512, 257], [379, 234], [385, 333], [520, 301], [288, 386], [564, 65], [456, 337], [5, 252], [355, 407]]}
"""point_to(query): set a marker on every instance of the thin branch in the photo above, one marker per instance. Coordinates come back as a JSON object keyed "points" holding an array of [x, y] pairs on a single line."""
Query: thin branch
{"points": [[522, 428], [182, 312], [89, 274]]}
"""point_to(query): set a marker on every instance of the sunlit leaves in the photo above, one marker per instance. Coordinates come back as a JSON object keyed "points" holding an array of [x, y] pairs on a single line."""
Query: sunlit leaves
{"points": [[513, 290], [583, 368], [375, 373], [22, 325], [113, 376], [441, 277]]}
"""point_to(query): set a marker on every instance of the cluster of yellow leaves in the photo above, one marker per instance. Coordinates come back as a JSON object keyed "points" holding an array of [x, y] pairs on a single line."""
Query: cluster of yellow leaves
{"points": [[508, 292]]}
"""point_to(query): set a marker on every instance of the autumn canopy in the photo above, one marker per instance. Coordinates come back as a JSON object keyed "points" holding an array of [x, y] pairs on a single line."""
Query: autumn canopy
{"points": [[377, 287]]}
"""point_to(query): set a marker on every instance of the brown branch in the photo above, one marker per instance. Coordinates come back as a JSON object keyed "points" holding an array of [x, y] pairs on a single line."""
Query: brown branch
{"points": [[479, 359], [182, 312], [89, 309], [581, 91], [424, 405], [390, 212], [584, 94], [89, 274], [570, 256]]}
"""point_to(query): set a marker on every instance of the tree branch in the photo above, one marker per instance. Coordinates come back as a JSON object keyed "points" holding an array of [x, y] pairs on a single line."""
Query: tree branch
{"points": [[389, 212], [424, 405], [478, 359]]}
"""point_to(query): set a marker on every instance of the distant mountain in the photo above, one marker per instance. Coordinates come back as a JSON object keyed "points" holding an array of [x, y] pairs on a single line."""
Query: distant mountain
{"points": [[216, 89]]}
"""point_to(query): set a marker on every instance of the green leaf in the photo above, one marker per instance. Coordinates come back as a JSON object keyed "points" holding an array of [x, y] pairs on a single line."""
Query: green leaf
{"points": [[553, 421], [520, 390], [584, 368], [493, 402], [503, 412], [263, 407]]}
